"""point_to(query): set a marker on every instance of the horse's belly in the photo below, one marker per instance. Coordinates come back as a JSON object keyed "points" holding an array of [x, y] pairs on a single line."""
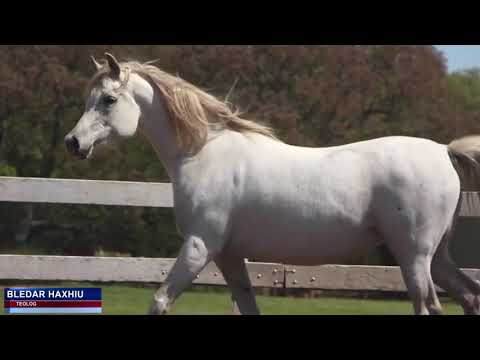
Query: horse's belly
{"points": [[303, 244]]}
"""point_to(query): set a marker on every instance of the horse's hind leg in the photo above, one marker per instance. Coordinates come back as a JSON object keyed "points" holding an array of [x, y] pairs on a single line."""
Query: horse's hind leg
{"points": [[455, 282], [420, 286], [235, 273], [450, 278], [414, 251]]}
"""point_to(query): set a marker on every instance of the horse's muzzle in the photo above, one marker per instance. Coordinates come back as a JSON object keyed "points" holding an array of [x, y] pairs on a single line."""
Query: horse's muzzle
{"points": [[73, 147]]}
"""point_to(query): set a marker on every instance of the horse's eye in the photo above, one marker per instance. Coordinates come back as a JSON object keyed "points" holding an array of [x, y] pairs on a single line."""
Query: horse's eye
{"points": [[110, 100]]}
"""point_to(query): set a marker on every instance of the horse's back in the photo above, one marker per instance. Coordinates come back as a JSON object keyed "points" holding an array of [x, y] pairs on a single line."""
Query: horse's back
{"points": [[388, 162]]}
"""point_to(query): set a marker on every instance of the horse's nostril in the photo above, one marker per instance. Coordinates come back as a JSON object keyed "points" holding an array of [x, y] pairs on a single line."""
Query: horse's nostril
{"points": [[72, 145]]}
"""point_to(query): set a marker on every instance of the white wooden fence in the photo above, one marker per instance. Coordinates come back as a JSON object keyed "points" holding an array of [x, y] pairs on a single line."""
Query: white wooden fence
{"points": [[146, 270]]}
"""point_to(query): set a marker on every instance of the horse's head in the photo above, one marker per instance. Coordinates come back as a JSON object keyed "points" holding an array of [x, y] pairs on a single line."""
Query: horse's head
{"points": [[111, 110]]}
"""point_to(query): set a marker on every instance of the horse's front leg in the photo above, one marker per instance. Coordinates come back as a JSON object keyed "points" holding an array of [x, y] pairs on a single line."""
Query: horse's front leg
{"points": [[195, 255], [235, 272]]}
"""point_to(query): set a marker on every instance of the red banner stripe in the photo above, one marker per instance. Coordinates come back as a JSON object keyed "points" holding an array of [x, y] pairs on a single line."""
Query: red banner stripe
{"points": [[52, 304]]}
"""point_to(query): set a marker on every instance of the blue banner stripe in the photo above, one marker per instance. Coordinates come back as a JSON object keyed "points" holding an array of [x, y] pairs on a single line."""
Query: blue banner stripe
{"points": [[52, 294]]}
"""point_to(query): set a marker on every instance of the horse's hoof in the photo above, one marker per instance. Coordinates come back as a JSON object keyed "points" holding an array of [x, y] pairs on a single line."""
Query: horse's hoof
{"points": [[158, 308]]}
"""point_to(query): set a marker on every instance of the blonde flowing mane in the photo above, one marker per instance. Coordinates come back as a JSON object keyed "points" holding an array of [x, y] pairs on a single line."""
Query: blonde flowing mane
{"points": [[193, 111]]}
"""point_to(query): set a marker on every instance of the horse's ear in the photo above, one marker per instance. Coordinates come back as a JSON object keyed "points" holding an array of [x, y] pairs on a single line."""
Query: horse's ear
{"points": [[98, 66], [114, 66]]}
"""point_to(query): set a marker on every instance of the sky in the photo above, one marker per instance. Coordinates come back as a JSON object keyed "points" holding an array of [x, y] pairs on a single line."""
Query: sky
{"points": [[461, 57]]}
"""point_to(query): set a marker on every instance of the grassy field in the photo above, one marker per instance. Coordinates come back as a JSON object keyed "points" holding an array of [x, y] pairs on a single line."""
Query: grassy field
{"points": [[127, 300]]}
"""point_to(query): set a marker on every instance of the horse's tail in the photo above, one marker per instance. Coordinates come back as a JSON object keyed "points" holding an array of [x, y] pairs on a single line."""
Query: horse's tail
{"points": [[465, 156]]}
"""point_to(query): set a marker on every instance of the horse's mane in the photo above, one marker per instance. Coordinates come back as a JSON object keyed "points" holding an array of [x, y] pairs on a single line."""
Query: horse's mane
{"points": [[193, 111]]}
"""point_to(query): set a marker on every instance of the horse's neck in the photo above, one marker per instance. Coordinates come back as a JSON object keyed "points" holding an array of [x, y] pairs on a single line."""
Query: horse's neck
{"points": [[155, 127]]}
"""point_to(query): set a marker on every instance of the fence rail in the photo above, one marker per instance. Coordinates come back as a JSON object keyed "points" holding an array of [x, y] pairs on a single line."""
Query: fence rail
{"points": [[145, 270], [122, 193], [86, 192]]}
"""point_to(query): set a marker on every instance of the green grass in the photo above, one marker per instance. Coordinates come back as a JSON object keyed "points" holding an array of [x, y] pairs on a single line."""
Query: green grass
{"points": [[127, 300]]}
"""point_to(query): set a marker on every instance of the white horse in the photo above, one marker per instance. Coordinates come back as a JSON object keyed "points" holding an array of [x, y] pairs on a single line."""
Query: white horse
{"points": [[241, 193]]}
